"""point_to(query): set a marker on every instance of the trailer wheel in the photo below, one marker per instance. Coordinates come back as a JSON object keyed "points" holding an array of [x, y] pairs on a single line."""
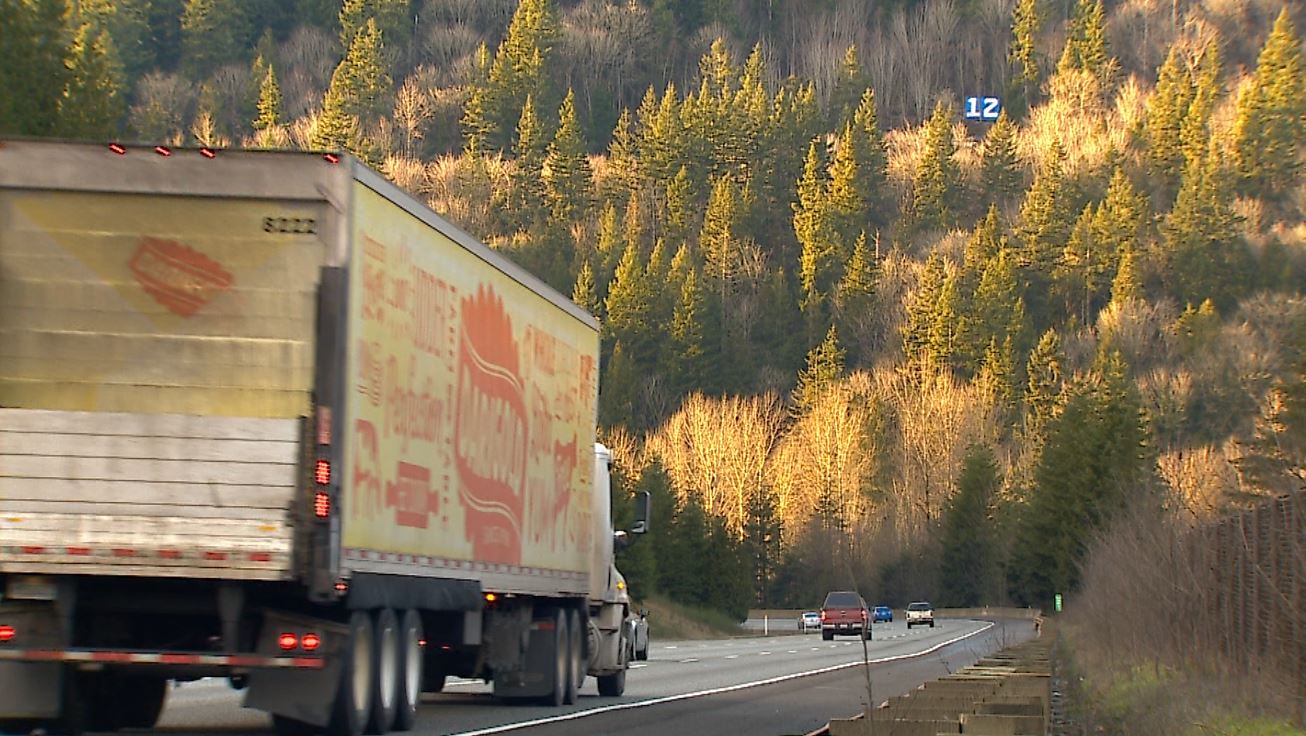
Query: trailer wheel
{"points": [[561, 660], [576, 658], [385, 671], [353, 704], [410, 671]]}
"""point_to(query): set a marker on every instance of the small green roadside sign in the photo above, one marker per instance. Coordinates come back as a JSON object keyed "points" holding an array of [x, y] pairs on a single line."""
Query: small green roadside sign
{"points": [[1058, 602]]}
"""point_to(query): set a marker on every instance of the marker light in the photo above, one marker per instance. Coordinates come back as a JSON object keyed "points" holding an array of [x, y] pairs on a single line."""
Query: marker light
{"points": [[311, 642], [322, 472], [163, 150], [321, 505], [7, 634], [287, 641], [118, 148]]}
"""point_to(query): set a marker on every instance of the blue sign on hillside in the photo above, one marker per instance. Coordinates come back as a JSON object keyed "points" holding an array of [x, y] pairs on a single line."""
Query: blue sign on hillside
{"points": [[983, 108]]}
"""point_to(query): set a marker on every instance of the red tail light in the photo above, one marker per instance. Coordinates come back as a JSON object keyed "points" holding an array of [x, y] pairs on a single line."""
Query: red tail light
{"points": [[118, 148], [822, 615], [7, 634], [331, 158], [322, 472], [287, 641], [321, 505], [311, 642], [163, 150], [207, 152]]}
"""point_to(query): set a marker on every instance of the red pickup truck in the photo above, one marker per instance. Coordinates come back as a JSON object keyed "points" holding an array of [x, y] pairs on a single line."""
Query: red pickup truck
{"points": [[845, 612]]}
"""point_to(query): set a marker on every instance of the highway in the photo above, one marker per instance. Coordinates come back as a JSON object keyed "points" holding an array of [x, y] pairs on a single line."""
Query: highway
{"points": [[781, 684]]}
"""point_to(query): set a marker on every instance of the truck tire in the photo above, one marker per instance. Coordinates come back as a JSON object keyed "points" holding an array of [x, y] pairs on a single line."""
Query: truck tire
{"points": [[614, 685], [385, 671], [561, 660], [827, 635], [284, 726], [410, 671], [140, 701], [353, 704], [575, 656]]}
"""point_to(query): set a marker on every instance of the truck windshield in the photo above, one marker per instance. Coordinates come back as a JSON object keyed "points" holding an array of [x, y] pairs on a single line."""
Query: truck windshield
{"points": [[842, 600]]}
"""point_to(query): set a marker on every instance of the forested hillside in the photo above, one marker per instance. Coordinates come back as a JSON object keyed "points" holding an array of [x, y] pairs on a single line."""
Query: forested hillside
{"points": [[850, 338]]}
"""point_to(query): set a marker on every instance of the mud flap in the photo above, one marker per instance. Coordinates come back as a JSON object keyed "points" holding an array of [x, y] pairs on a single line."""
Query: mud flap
{"points": [[302, 694], [32, 690], [535, 678]]}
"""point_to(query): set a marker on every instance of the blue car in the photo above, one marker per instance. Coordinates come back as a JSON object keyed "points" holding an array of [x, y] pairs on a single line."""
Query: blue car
{"points": [[882, 613]]}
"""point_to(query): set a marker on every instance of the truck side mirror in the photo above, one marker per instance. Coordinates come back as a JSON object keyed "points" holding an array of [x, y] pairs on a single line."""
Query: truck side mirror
{"points": [[643, 502]]}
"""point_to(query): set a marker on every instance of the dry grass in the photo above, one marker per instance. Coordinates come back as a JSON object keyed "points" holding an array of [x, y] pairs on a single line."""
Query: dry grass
{"points": [[1172, 673]]}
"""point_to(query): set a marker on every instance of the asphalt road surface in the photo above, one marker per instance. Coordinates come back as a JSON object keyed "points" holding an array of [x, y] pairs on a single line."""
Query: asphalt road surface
{"points": [[763, 686]]}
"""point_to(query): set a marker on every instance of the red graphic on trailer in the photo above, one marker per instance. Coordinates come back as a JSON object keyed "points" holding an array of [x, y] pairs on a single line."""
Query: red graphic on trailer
{"points": [[179, 277], [490, 429]]}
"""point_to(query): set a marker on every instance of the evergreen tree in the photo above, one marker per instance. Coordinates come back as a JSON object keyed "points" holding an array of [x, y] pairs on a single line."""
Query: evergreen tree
{"points": [[1001, 174], [997, 310], [872, 163], [32, 75], [1207, 256], [938, 177], [477, 121], [848, 86], [566, 167], [717, 242], [945, 347], [1166, 110], [920, 310], [1083, 268], [1121, 216], [1045, 222], [527, 177], [689, 369], [353, 15], [1194, 131], [1022, 54], [1128, 283], [92, 105], [855, 298], [623, 155], [1270, 126], [620, 379], [969, 557], [1044, 385], [997, 374], [824, 368], [213, 33], [583, 291], [815, 232], [984, 243], [269, 102], [1086, 48], [128, 24], [1095, 457], [518, 67], [359, 92], [681, 201], [846, 204], [629, 306]]}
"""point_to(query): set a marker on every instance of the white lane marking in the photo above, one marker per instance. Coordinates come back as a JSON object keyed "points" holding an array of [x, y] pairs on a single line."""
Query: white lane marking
{"points": [[762, 654], [792, 651], [688, 661], [670, 647], [713, 691], [733, 656], [637, 666]]}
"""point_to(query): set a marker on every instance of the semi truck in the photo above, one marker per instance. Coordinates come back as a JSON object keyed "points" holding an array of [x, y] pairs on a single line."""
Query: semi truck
{"points": [[266, 417]]}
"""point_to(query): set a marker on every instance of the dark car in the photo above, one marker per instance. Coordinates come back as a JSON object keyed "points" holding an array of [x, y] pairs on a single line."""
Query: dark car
{"points": [[882, 613], [845, 612]]}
